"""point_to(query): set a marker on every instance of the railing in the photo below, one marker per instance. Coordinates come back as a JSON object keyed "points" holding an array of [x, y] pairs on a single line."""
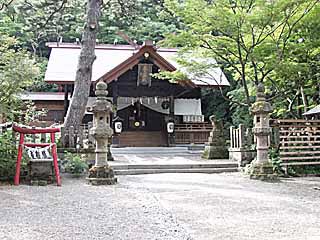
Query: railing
{"points": [[197, 133], [241, 137], [241, 141]]}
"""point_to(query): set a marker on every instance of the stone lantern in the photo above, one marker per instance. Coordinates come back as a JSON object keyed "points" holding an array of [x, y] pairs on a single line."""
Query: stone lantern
{"points": [[261, 167], [101, 173]]}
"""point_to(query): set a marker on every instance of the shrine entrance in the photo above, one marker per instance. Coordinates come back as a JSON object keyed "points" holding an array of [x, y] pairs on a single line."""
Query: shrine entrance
{"points": [[142, 127]]}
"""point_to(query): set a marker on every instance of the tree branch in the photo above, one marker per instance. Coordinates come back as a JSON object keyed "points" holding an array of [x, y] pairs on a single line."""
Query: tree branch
{"points": [[53, 13], [5, 5]]}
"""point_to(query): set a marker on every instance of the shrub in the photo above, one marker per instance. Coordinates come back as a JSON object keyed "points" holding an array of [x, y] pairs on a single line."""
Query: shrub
{"points": [[8, 156], [75, 164], [275, 160]]}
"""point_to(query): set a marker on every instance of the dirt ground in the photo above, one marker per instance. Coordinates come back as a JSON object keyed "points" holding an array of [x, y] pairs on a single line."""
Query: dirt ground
{"points": [[164, 206]]}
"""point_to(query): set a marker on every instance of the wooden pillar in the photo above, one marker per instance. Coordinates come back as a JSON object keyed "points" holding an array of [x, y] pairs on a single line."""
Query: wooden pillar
{"points": [[115, 97], [114, 140], [171, 137], [171, 107], [66, 101]]}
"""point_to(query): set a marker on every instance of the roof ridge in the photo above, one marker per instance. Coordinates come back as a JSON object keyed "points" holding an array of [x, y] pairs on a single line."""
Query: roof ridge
{"points": [[105, 46]]}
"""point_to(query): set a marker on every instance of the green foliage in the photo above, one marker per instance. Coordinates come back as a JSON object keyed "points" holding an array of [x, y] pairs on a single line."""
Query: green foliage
{"points": [[75, 164], [275, 160], [8, 156], [304, 170], [256, 41], [36, 22], [18, 70]]}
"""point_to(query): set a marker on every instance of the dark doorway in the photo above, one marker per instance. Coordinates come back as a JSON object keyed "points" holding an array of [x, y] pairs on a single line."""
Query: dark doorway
{"points": [[137, 117]]}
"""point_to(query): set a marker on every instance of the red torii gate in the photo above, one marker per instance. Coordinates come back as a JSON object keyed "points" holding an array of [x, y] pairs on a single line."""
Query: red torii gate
{"points": [[22, 144]]}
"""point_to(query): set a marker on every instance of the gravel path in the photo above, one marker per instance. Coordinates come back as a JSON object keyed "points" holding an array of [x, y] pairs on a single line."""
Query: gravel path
{"points": [[164, 206]]}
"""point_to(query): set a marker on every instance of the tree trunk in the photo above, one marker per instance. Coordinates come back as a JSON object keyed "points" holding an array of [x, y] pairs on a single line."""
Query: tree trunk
{"points": [[80, 96]]}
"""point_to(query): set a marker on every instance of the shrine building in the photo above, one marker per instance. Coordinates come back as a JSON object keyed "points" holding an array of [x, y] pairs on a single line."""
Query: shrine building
{"points": [[143, 102]]}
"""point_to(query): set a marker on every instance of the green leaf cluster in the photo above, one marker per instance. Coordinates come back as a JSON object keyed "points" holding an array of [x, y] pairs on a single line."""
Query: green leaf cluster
{"points": [[75, 164], [18, 71], [8, 156], [274, 42]]}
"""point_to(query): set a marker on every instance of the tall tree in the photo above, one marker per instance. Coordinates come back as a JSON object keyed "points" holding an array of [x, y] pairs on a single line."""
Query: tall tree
{"points": [[80, 96]]}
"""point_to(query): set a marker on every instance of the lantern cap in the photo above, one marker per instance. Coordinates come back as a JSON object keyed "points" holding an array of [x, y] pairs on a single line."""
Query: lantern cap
{"points": [[101, 86], [101, 90]]}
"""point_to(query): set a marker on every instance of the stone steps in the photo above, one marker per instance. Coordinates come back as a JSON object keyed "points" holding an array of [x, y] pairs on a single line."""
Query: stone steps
{"points": [[173, 166], [157, 171], [135, 169], [142, 139]]}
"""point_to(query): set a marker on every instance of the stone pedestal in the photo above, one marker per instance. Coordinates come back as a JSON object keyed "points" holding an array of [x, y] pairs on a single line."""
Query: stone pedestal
{"points": [[262, 171], [40, 171], [101, 173], [101, 176], [215, 148], [243, 156], [261, 167]]}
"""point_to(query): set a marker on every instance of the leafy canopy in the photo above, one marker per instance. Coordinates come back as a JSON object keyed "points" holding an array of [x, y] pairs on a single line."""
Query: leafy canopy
{"points": [[253, 40], [18, 70]]}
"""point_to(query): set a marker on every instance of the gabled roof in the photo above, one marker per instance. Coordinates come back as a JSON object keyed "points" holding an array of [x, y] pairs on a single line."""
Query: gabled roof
{"points": [[114, 60], [134, 60]]}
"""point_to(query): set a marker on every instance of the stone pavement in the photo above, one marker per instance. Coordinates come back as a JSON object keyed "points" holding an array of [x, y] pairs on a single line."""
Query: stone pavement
{"points": [[164, 206]]}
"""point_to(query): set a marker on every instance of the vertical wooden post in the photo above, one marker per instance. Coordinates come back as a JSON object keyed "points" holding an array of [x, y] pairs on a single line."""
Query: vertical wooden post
{"points": [[55, 159], [237, 137], [81, 133], [241, 135], [231, 137], [115, 97], [66, 100], [171, 139], [18, 165], [43, 135], [33, 135]]}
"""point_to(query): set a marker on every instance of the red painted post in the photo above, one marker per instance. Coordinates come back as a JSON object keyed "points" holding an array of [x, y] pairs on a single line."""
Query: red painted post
{"points": [[55, 159], [18, 165]]}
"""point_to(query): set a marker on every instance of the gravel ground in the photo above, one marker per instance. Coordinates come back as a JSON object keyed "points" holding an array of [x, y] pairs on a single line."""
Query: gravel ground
{"points": [[164, 206]]}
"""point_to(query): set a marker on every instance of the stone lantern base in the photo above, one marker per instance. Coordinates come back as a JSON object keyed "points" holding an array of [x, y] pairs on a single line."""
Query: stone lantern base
{"points": [[262, 171], [101, 176]]}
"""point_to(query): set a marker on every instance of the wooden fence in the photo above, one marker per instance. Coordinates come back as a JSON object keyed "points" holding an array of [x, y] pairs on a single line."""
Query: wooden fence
{"points": [[197, 133], [299, 142]]}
